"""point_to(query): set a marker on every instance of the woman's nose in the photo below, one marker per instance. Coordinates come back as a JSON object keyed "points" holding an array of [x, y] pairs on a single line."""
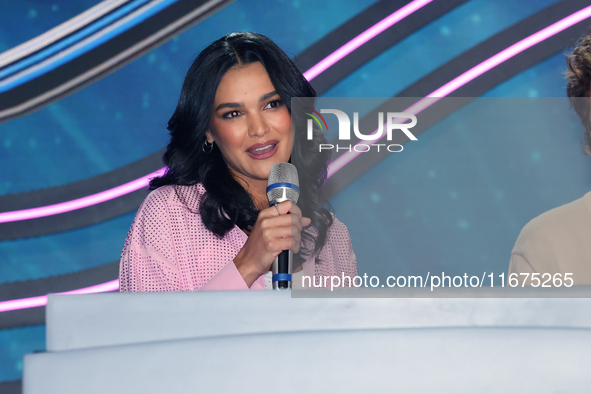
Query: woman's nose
{"points": [[258, 127]]}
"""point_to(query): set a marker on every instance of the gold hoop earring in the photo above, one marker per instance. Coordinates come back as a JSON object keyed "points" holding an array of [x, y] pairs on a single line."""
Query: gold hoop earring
{"points": [[207, 146]]}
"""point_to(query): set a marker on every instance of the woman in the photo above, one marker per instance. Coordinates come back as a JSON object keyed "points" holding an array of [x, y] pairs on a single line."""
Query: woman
{"points": [[208, 224]]}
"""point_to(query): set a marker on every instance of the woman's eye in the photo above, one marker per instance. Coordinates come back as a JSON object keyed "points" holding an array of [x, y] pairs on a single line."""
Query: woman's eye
{"points": [[231, 114], [274, 104]]}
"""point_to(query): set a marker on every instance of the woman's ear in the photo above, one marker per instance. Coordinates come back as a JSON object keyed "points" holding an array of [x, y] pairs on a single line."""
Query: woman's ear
{"points": [[209, 136]]}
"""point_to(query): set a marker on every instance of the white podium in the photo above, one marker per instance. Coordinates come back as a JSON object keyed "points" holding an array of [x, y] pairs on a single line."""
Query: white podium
{"points": [[227, 342]]}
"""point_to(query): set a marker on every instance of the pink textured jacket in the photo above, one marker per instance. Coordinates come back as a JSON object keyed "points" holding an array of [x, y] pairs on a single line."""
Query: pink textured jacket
{"points": [[168, 248]]}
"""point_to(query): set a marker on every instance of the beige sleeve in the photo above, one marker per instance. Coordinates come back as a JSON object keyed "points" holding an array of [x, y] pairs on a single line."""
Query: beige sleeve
{"points": [[533, 253], [518, 265], [556, 242]]}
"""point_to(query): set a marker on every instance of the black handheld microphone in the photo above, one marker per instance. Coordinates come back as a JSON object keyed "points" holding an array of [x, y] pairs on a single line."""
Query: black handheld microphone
{"points": [[283, 185]]}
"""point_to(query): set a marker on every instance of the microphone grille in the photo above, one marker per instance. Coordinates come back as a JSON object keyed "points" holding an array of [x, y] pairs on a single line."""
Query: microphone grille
{"points": [[281, 176], [283, 173]]}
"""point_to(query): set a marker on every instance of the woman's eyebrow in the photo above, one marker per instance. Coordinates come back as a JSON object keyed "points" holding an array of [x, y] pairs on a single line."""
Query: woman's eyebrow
{"points": [[238, 105], [268, 95], [229, 105]]}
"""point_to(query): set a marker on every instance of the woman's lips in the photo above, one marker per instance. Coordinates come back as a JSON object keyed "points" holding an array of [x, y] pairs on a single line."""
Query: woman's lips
{"points": [[263, 151]]}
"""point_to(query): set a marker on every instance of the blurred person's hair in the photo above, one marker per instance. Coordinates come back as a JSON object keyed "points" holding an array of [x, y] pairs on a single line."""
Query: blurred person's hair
{"points": [[579, 84]]}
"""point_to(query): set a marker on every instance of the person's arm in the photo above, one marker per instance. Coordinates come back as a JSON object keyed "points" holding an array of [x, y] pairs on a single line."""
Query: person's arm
{"points": [[154, 253], [150, 259], [533, 253], [519, 265], [276, 229], [229, 278]]}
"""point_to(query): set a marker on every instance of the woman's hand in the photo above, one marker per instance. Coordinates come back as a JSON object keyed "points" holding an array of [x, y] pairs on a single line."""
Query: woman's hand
{"points": [[272, 233]]}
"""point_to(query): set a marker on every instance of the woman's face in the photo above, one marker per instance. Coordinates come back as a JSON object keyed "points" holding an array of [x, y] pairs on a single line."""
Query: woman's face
{"points": [[250, 124]]}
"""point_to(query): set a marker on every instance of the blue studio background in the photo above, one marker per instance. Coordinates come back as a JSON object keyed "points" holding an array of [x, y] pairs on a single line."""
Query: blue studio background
{"points": [[413, 209]]}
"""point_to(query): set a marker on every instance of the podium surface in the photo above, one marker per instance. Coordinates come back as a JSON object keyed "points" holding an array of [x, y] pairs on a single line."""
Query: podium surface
{"points": [[84, 321], [227, 342]]}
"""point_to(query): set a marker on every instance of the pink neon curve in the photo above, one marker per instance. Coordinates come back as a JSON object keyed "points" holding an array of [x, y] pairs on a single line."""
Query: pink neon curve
{"points": [[79, 203], [137, 184], [364, 37], [416, 108], [474, 73], [33, 302]]}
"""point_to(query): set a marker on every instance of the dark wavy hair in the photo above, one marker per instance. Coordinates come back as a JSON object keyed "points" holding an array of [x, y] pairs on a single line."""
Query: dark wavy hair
{"points": [[226, 203], [579, 84]]}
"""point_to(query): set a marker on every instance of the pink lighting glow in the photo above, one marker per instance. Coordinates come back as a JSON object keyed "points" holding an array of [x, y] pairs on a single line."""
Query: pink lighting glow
{"points": [[364, 37], [79, 203], [33, 302], [475, 72]]}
